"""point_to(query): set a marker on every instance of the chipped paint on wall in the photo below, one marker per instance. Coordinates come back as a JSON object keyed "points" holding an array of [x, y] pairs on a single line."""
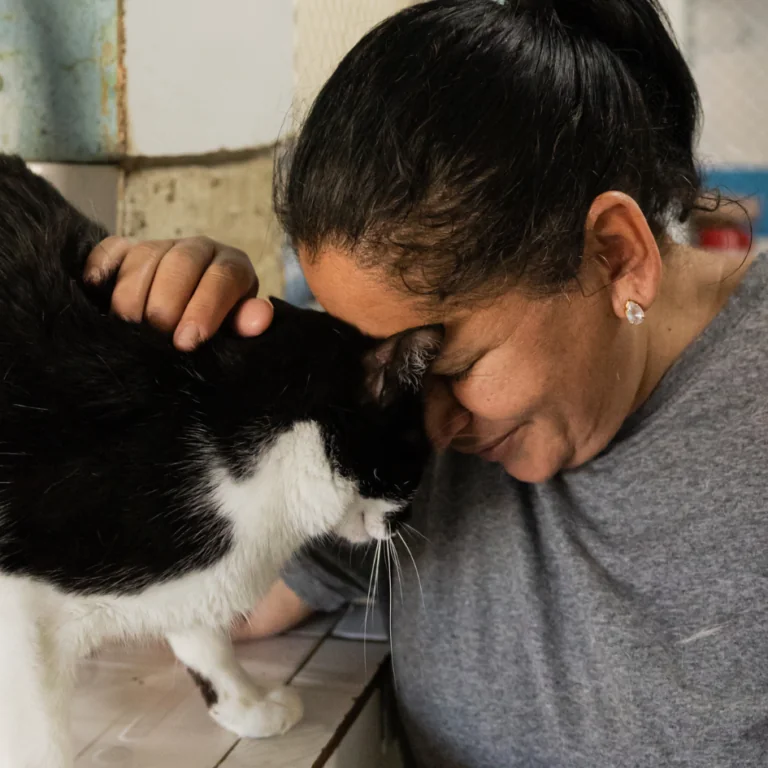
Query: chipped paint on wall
{"points": [[58, 79]]}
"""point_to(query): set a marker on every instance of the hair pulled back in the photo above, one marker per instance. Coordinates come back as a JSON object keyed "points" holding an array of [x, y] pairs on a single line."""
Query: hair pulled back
{"points": [[462, 142]]}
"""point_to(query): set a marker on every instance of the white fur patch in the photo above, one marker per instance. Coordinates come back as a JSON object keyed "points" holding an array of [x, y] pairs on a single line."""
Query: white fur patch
{"points": [[367, 520], [292, 492], [292, 496]]}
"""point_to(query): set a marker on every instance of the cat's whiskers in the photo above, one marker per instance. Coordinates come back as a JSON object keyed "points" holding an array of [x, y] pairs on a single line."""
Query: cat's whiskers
{"points": [[396, 560], [30, 407], [391, 644], [415, 568], [410, 529], [371, 599]]}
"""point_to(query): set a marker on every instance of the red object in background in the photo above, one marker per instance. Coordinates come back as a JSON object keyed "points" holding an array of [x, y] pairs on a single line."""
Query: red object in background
{"points": [[724, 239]]}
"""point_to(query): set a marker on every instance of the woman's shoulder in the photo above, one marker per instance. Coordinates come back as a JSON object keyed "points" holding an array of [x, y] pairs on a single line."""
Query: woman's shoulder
{"points": [[741, 333], [736, 341]]}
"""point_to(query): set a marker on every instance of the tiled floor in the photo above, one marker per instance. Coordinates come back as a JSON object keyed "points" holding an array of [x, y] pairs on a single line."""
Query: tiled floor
{"points": [[138, 708]]}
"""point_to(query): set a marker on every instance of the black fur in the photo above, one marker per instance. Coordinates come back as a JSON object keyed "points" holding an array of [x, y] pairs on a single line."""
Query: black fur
{"points": [[207, 691], [103, 423]]}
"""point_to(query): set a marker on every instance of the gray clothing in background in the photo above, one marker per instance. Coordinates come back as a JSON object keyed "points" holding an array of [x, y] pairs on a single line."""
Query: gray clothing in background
{"points": [[614, 616]]}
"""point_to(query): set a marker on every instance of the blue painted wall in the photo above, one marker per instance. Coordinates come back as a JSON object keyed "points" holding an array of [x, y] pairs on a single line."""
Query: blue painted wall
{"points": [[58, 79]]}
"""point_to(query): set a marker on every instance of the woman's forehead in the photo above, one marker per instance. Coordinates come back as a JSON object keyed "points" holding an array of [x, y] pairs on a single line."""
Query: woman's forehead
{"points": [[363, 297]]}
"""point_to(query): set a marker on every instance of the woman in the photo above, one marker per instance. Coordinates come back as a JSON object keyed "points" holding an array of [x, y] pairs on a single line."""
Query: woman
{"points": [[595, 576]]}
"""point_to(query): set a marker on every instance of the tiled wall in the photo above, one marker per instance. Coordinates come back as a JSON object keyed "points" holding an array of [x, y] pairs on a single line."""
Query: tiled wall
{"points": [[156, 117], [206, 76], [100, 80], [172, 84], [58, 79]]}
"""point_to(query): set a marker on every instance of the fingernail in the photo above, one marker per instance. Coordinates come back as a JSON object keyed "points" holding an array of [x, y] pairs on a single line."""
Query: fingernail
{"points": [[188, 338], [92, 277]]}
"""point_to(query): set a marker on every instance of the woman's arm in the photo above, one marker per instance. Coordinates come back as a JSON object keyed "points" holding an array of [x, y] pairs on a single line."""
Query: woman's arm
{"points": [[279, 610]]}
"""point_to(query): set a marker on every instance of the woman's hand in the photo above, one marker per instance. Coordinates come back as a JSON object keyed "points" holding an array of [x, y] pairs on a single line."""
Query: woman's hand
{"points": [[186, 287]]}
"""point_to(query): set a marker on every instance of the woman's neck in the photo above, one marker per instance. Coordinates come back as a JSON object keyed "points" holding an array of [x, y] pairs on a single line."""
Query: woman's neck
{"points": [[695, 287]]}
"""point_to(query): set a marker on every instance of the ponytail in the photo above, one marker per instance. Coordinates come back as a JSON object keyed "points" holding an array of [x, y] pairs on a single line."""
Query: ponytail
{"points": [[639, 38], [639, 34]]}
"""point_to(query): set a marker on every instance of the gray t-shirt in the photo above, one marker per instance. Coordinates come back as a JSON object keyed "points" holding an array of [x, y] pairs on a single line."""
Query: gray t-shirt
{"points": [[614, 616]]}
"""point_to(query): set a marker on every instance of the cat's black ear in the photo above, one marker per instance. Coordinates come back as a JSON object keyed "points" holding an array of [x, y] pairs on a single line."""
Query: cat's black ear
{"points": [[400, 362]]}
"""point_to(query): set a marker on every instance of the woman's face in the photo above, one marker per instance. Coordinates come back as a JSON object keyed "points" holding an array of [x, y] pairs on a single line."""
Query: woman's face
{"points": [[535, 384]]}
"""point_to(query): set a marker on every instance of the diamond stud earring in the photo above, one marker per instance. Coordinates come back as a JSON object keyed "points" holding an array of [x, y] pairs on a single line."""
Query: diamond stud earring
{"points": [[634, 312]]}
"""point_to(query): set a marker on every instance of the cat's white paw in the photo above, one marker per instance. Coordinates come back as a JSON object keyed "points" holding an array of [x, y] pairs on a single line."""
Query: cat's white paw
{"points": [[259, 715]]}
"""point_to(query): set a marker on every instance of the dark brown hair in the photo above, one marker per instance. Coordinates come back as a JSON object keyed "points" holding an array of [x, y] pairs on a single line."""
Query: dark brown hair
{"points": [[462, 142]]}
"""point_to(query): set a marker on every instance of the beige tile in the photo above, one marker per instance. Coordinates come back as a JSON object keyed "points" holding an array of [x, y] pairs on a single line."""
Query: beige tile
{"points": [[343, 665], [110, 692], [299, 748], [174, 731], [318, 626], [275, 659], [361, 746], [138, 708]]}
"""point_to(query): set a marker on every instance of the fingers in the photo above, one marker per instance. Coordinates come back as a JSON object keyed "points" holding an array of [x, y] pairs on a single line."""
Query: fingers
{"points": [[106, 258], [188, 286], [253, 317], [228, 278], [176, 279], [136, 276]]}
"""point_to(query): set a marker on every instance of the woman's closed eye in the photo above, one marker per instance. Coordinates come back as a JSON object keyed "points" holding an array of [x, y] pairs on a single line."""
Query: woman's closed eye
{"points": [[461, 374], [457, 367]]}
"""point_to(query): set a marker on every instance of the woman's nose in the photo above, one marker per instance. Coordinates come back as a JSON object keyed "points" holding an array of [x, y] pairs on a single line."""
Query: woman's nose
{"points": [[445, 417]]}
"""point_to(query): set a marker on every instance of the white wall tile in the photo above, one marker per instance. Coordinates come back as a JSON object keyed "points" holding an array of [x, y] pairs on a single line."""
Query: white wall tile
{"points": [[205, 76]]}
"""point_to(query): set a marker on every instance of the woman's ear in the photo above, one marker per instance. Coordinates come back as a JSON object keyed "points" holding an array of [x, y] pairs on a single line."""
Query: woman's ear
{"points": [[622, 248], [401, 362]]}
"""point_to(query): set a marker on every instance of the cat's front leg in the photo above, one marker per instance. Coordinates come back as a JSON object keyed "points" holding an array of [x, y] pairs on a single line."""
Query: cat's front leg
{"points": [[35, 683], [234, 701]]}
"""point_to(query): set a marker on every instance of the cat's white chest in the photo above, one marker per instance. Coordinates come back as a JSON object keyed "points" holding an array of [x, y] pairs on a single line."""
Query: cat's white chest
{"points": [[271, 513]]}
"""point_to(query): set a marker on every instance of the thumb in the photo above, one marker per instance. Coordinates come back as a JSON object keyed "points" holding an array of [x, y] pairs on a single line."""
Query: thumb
{"points": [[253, 317]]}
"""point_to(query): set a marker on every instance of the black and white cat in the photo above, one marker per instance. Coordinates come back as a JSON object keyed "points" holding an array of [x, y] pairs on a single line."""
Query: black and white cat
{"points": [[146, 491]]}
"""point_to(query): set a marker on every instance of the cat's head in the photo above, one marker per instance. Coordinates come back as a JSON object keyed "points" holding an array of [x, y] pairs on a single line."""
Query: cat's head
{"points": [[349, 410]]}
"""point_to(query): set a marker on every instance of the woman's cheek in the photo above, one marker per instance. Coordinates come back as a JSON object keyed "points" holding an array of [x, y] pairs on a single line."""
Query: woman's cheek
{"points": [[484, 398]]}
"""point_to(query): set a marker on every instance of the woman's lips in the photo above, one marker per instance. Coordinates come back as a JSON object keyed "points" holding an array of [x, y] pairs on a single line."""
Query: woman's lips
{"points": [[495, 451]]}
